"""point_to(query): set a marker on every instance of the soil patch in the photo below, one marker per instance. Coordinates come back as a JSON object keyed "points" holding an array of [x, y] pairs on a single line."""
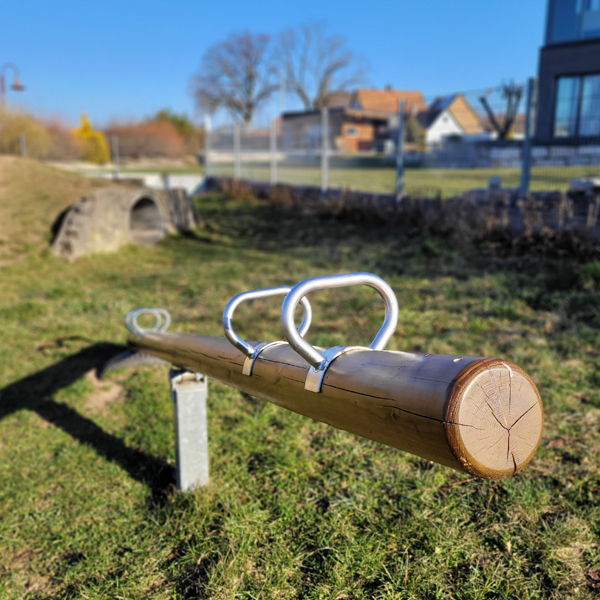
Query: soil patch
{"points": [[105, 392]]}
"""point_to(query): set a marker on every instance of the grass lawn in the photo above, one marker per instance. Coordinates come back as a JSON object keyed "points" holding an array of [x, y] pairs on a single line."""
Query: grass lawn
{"points": [[377, 178], [449, 182], [295, 508]]}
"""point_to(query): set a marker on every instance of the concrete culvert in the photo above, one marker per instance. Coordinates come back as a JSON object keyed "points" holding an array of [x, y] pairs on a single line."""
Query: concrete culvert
{"points": [[111, 217], [146, 224]]}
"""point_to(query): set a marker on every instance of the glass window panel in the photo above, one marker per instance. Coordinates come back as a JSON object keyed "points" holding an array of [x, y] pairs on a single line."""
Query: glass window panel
{"points": [[589, 123], [567, 99], [564, 20], [590, 23]]}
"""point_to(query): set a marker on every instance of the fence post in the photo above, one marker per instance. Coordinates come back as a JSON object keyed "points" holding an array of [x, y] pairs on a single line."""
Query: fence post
{"points": [[529, 128], [324, 150], [237, 163], [282, 92], [273, 148], [22, 144], [400, 150], [206, 146], [114, 142]]}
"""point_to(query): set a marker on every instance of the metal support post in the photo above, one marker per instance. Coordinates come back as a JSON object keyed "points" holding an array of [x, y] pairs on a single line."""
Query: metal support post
{"points": [[324, 150], [273, 149], [282, 93], [22, 144], [206, 146], [237, 162], [114, 143], [189, 392], [400, 151], [529, 129]]}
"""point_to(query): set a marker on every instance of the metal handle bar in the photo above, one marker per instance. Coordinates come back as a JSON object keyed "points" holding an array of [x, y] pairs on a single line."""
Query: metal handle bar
{"points": [[302, 347], [162, 316], [238, 342]]}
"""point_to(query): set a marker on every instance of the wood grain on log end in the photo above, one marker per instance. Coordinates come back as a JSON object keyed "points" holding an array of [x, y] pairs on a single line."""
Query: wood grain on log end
{"points": [[494, 418]]}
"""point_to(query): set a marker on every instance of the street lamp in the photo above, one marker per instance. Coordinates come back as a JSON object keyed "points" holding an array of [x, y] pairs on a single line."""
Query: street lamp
{"points": [[17, 86]]}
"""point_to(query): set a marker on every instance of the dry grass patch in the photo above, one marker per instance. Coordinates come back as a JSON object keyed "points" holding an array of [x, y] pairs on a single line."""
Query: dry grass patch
{"points": [[32, 195]]}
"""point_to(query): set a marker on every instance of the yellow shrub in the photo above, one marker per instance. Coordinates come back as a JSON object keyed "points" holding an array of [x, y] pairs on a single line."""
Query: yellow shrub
{"points": [[94, 142], [13, 124]]}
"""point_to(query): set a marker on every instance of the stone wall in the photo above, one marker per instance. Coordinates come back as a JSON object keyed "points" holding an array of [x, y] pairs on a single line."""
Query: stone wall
{"points": [[111, 217]]}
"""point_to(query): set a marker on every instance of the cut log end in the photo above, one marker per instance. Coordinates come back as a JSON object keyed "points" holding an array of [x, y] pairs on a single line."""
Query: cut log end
{"points": [[494, 418]]}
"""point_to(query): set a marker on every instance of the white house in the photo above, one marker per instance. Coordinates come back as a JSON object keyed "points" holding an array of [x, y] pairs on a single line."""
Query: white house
{"points": [[448, 117]]}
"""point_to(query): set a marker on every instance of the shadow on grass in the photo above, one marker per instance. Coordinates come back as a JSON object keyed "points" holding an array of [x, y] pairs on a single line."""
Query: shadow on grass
{"points": [[35, 392]]}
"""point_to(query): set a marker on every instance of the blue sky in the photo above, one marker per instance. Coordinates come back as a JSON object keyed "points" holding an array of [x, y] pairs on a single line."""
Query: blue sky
{"points": [[128, 59]]}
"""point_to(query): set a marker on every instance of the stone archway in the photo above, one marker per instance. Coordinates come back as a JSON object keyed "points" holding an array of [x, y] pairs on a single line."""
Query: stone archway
{"points": [[146, 224]]}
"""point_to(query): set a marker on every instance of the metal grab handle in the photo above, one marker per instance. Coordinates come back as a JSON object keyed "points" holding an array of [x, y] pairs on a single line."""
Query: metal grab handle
{"points": [[162, 316], [302, 347], [238, 342]]}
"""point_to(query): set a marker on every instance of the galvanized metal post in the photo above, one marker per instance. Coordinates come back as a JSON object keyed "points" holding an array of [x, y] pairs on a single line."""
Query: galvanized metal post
{"points": [[22, 144], [189, 392], [114, 142], [400, 151], [324, 150], [237, 162], [529, 130], [273, 149], [206, 146], [282, 92]]}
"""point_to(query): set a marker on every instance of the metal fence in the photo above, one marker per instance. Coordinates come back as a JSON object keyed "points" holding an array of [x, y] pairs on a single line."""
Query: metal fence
{"points": [[262, 154], [412, 152]]}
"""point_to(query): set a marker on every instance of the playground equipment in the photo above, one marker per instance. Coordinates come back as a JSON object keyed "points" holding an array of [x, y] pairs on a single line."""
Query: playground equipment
{"points": [[479, 415]]}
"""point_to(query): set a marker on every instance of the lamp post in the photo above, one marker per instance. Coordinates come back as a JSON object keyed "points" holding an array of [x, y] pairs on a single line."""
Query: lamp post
{"points": [[17, 86]]}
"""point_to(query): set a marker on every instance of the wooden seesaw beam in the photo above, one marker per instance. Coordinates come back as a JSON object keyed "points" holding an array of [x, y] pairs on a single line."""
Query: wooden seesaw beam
{"points": [[483, 416]]}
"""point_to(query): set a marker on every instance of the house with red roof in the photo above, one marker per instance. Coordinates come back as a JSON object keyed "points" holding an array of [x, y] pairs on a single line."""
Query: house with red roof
{"points": [[358, 121]]}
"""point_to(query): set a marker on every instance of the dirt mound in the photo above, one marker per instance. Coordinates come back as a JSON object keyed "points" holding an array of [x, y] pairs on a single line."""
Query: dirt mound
{"points": [[32, 194]]}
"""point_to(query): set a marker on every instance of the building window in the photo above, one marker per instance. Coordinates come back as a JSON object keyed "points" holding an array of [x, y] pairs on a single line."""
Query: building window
{"points": [[577, 106], [571, 20], [567, 100], [590, 106], [590, 20], [352, 132]]}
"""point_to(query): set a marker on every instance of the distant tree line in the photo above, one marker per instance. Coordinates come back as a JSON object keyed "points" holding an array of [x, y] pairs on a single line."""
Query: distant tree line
{"points": [[166, 134], [241, 73]]}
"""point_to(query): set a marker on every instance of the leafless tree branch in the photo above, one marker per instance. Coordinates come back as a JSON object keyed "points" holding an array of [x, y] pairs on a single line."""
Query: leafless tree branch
{"points": [[235, 75], [316, 65]]}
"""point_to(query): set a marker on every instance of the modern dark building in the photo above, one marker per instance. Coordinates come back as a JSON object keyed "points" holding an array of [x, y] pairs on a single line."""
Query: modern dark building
{"points": [[569, 72]]}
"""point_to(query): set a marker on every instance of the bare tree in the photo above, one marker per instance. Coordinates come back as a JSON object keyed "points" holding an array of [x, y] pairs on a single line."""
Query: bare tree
{"points": [[236, 75], [512, 94], [314, 64]]}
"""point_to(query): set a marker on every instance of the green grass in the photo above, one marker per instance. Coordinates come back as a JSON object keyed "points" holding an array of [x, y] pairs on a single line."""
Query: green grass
{"points": [[295, 509], [448, 182], [377, 178]]}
